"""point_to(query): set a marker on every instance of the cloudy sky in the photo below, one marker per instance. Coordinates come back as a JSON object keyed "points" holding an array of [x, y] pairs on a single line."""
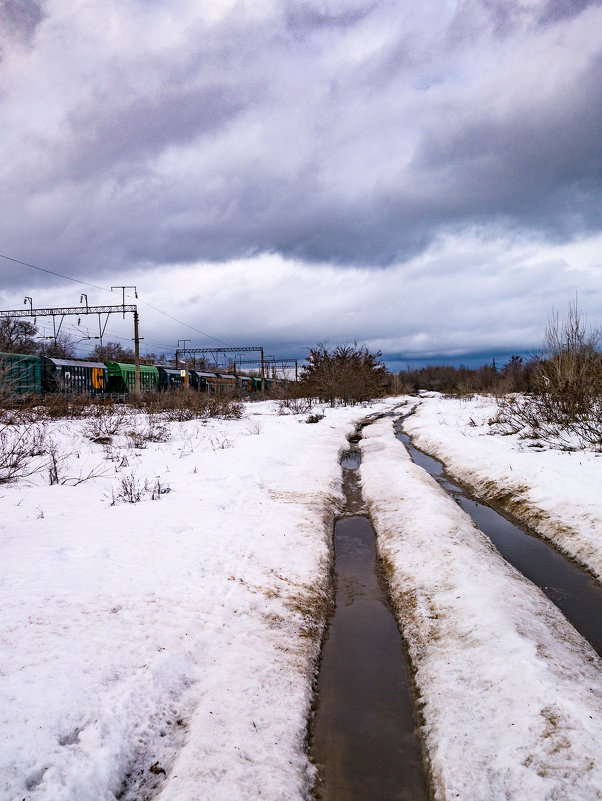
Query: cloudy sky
{"points": [[421, 177]]}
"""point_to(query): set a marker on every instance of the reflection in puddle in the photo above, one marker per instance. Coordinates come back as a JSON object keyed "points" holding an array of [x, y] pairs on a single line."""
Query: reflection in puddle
{"points": [[570, 588], [364, 738], [351, 460]]}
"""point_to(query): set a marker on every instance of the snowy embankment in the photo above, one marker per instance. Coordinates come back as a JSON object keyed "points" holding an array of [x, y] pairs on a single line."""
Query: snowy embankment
{"points": [[166, 647], [556, 492], [511, 695]]}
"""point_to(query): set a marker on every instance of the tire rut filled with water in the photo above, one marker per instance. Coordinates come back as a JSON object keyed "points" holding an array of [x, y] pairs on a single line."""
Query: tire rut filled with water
{"points": [[577, 594], [364, 734]]}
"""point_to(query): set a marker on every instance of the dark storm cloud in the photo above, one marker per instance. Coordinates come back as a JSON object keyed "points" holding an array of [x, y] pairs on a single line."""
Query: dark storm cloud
{"points": [[19, 19], [335, 131]]}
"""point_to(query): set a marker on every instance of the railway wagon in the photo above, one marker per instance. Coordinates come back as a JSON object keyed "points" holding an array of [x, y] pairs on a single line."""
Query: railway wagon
{"points": [[212, 382], [72, 375], [244, 384], [224, 382], [172, 378], [20, 374], [122, 377], [202, 381]]}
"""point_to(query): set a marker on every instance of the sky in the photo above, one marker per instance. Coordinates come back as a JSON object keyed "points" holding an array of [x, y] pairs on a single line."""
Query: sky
{"points": [[423, 178]]}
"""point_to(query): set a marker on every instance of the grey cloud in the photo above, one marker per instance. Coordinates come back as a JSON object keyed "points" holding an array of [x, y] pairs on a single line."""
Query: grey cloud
{"points": [[20, 18], [138, 128], [279, 144]]}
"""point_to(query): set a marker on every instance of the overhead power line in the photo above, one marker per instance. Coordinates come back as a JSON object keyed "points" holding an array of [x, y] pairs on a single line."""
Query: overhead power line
{"points": [[104, 289], [51, 272]]}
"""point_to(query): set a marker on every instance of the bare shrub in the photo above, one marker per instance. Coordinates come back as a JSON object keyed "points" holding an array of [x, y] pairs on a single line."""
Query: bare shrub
{"points": [[62, 405], [105, 420], [219, 440], [151, 429], [21, 446], [296, 405], [349, 374], [565, 405], [132, 489], [58, 463], [159, 489], [182, 405]]}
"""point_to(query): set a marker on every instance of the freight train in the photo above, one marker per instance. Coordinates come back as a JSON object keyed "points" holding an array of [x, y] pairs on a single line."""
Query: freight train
{"points": [[22, 374]]}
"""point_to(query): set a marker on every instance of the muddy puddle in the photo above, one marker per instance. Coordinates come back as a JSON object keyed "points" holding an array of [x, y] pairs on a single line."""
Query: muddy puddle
{"points": [[571, 588], [364, 739]]}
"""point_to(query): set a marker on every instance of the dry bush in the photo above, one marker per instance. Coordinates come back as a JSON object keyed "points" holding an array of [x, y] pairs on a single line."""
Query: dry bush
{"points": [[104, 420], [133, 489], [151, 429], [296, 405], [565, 405], [58, 462], [64, 405], [349, 374], [21, 448], [182, 405]]}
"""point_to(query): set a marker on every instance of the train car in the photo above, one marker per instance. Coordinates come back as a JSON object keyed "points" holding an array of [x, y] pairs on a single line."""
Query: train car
{"points": [[225, 382], [20, 374], [122, 377], [172, 378], [244, 384], [202, 381], [73, 375], [256, 383]]}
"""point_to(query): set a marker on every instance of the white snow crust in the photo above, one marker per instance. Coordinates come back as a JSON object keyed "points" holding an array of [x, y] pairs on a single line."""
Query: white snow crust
{"points": [[167, 648], [510, 694], [558, 493]]}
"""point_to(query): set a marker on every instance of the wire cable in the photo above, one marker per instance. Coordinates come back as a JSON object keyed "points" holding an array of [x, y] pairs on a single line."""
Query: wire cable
{"points": [[104, 289]]}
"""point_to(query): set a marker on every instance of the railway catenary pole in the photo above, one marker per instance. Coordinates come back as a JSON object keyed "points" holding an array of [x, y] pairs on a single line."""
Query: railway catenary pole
{"points": [[81, 311], [275, 362], [184, 341], [137, 385], [216, 350]]}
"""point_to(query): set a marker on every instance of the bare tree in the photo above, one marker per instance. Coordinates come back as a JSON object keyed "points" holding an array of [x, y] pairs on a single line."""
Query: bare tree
{"points": [[63, 347], [17, 336], [112, 352]]}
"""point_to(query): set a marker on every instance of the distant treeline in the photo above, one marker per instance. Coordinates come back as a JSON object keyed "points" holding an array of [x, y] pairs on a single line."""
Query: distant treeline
{"points": [[518, 375]]}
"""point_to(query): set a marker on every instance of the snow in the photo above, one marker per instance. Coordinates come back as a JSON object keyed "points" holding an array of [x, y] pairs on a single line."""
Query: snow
{"points": [[556, 492], [510, 694], [167, 648]]}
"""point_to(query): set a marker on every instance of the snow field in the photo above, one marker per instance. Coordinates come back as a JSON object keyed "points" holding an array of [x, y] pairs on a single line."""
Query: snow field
{"points": [[556, 492], [167, 648], [510, 694]]}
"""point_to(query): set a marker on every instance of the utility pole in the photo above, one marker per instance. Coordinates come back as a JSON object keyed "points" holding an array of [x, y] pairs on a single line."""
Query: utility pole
{"points": [[183, 348], [137, 385], [79, 311], [216, 350]]}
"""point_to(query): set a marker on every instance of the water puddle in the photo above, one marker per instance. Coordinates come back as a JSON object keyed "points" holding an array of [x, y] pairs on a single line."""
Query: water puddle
{"points": [[574, 591], [364, 739]]}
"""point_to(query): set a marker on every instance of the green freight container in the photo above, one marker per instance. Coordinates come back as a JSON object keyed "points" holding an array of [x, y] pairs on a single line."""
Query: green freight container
{"points": [[122, 377], [20, 374]]}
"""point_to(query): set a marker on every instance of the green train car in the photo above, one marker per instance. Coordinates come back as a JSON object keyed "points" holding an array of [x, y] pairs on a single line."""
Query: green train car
{"points": [[20, 374], [122, 377]]}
